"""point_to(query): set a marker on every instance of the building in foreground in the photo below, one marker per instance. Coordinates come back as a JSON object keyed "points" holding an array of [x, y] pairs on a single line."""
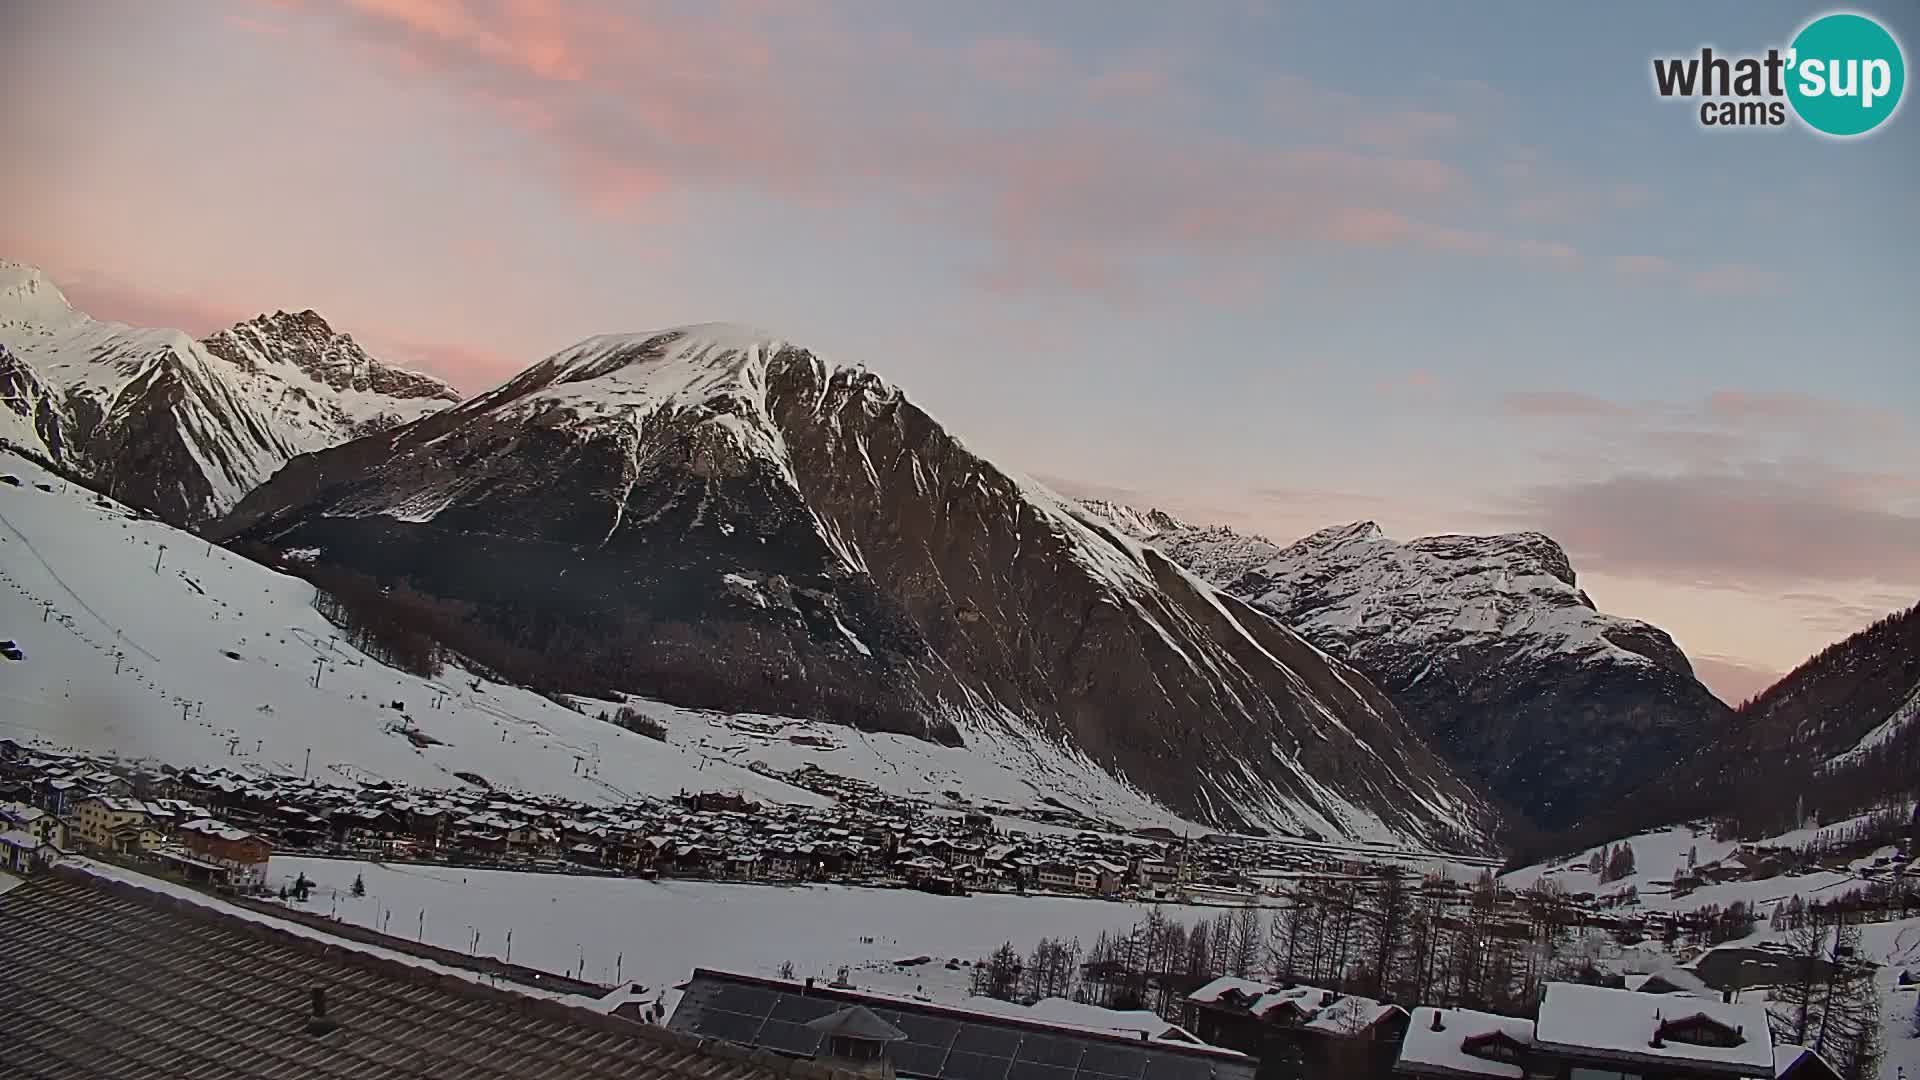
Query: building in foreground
{"points": [[1599, 1033], [939, 1042], [103, 977]]}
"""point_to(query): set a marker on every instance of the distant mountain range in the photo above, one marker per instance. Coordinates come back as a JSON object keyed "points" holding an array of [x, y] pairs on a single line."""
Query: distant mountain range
{"points": [[1487, 645], [179, 427], [719, 518]]}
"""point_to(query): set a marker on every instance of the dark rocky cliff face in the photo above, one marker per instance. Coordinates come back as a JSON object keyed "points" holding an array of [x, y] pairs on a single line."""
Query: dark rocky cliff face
{"points": [[40, 420], [305, 342], [1486, 644], [772, 534]]}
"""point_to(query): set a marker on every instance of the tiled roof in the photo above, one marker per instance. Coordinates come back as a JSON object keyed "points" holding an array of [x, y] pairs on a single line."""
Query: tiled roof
{"points": [[100, 979]]}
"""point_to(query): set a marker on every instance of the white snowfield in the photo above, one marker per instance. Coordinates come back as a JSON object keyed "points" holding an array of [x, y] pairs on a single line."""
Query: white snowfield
{"points": [[1659, 855], [212, 659], [240, 421], [657, 932], [109, 872]]}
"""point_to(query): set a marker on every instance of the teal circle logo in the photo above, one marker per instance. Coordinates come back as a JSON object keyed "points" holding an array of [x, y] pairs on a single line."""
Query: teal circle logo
{"points": [[1845, 74]]}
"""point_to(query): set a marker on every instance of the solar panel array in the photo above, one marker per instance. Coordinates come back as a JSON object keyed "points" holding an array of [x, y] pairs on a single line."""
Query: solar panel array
{"points": [[938, 1047]]}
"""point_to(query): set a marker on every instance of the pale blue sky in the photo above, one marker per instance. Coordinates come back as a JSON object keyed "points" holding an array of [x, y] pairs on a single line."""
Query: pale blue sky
{"points": [[1447, 266]]}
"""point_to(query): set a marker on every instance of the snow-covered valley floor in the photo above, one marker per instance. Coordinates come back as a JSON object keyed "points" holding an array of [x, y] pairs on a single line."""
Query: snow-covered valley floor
{"points": [[657, 932]]}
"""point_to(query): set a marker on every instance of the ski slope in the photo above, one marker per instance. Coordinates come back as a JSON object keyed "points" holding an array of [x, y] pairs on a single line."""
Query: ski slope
{"points": [[147, 642]]}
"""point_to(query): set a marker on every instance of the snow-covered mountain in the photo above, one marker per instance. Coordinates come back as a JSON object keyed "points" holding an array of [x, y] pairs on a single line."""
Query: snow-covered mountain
{"points": [[180, 427], [141, 640], [720, 518], [1856, 696], [1487, 643]]}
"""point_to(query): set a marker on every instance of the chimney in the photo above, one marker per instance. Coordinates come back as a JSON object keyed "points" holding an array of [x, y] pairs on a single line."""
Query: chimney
{"points": [[318, 1022], [1437, 1025]]}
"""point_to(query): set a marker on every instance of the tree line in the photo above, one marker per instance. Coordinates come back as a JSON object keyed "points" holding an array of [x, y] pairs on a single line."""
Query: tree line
{"points": [[1767, 778], [1387, 935], [1828, 999]]}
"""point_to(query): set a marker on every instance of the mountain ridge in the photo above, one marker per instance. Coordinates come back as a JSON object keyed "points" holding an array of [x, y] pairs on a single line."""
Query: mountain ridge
{"points": [[1485, 642], [183, 427], [832, 543]]}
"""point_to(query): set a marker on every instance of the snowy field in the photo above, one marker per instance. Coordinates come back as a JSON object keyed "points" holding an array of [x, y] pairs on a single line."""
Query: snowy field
{"points": [[657, 932], [211, 659], [1659, 854]]}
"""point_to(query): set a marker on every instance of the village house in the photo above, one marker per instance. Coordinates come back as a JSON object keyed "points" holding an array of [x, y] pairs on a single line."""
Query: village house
{"points": [[114, 823], [1154, 874], [56, 794], [22, 852], [243, 855], [1328, 1033], [1109, 878], [917, 1038], [1464, 1044], [42, 826], [1592, 1032]]}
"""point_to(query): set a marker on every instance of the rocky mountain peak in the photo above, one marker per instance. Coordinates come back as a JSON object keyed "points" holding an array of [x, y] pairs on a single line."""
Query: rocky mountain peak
{"points": [[183, 427], [305, 341], [719, 517], [1484, 641]]}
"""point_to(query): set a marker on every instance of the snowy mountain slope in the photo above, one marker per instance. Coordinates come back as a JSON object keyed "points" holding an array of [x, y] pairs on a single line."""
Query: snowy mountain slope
{"points": [[211, 659], [180, 427], [1485, 642], [717, 517], [33, 413], [1856, 695], [322, 384]]}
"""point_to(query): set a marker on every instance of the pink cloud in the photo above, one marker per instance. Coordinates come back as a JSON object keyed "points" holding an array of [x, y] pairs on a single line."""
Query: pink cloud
{"points": [[108, 298], [467, 366], [1559, 403], [1724, 279], [1127, 82], [624, 108], [1642, 264], [1736, 279], [1733, 680], [1752, 525], [535, 35], [1018, 62], [1367, 227], [1796, 408], [255, 26], [1418, 382], [114, 301]]}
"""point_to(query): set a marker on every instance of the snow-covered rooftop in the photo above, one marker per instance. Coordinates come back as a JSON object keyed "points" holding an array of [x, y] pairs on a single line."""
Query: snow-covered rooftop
{"points": [[1429, 1049], [1621, 1024]]}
